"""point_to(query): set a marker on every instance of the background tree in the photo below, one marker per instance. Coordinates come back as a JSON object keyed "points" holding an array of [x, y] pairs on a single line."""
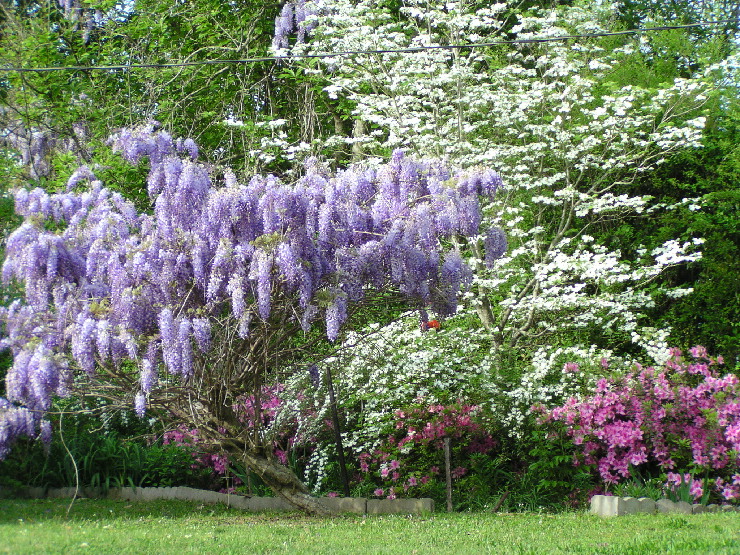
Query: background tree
{"points": [[57, 120]]}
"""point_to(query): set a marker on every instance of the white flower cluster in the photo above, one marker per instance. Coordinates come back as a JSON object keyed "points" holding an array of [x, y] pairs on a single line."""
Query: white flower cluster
{"points": [[392, 367], [555, 375], [389, 368], [564, 152]]}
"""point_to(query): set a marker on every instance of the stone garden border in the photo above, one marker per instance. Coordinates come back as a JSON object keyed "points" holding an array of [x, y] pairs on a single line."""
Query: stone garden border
{"points": [[610, 505], [357, 505], [601, 505]]}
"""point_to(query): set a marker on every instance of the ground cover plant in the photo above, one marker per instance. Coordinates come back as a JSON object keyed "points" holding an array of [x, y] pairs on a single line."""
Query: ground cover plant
{"points": [[120, 527]]}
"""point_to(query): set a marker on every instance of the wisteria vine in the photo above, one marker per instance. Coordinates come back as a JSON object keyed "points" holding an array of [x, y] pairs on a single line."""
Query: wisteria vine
{"points": [[105, 283]]}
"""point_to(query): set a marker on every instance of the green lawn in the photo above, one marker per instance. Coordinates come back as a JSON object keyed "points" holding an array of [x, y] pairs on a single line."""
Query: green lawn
{"points": [[105, 526]]}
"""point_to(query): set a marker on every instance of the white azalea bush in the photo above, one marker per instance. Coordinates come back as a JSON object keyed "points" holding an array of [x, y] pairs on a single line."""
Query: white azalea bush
{"points": [[385, 375]]}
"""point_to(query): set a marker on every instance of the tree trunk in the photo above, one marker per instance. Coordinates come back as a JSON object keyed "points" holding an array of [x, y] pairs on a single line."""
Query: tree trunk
{"points": [[484, 309], [485, 312], [358, 131], [284, 483]]}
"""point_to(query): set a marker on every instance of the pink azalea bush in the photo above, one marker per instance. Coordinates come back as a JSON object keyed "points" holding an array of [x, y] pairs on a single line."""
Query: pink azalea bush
{"points": [[248, 411], [213, 463], [410, 461], [681, 420]]}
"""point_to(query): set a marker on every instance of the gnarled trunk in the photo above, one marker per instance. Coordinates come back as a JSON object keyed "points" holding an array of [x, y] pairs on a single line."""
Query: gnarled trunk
{"points": [[284, 483]]}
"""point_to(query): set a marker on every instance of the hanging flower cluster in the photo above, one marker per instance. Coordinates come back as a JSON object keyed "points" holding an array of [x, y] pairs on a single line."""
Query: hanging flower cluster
{"points": [[295, 18], [104, 283]]}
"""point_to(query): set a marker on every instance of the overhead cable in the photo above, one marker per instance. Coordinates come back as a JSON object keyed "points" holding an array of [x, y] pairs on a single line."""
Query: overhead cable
{"points": [[411, 49]]}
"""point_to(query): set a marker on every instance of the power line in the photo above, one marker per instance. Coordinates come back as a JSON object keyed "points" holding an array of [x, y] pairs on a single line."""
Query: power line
{"points": [[407, 50]]}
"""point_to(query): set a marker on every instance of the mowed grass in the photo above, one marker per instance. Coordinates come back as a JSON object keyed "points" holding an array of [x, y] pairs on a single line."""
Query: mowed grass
{"points": [[107, 526]]}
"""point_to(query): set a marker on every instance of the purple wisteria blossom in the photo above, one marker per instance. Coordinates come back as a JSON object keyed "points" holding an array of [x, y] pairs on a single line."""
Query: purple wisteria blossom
{"points": [[295, 19], [216, 265]]}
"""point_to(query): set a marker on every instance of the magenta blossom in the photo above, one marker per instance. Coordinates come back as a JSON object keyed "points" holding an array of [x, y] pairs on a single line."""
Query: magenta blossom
{"points": [[684, 415]]}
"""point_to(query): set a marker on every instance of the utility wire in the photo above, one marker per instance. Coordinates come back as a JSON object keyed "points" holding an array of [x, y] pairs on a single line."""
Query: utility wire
{"points": [[413, 49]]}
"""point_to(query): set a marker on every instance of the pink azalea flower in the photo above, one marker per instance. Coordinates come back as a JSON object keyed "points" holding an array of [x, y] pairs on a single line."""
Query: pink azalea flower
{"points": [[458, 472], [570, 368]]}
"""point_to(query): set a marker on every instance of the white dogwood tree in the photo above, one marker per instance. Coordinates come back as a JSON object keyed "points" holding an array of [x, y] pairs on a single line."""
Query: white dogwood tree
{"points": [[554, 116]]}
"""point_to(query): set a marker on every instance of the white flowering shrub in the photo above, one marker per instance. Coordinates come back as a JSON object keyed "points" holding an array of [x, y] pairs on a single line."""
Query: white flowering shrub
{"points": [[391, 368], [385, 369]]}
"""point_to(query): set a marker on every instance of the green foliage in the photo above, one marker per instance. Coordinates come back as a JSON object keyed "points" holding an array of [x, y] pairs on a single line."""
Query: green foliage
{"points": [[700, 189], [683, 491], [8, 219], [102, 448], [637, 487], [82, 108], [551, 474], [489, 478], [103, 460]]}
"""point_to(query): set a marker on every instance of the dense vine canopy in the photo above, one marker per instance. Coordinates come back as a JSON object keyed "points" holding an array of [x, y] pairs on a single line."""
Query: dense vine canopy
{"points": [[201, 293]]}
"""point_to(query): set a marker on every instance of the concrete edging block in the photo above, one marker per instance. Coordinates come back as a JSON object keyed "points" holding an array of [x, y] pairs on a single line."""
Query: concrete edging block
{"points": [[601, 505], [684, 508], [150, 494], [36, 493], [126, 494], [61, 493], [204, 496], [647, 505], [604, 505], [400, 506], [610, 505], [357, 505], [267, 504], [237, 502], [679, 507]]}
